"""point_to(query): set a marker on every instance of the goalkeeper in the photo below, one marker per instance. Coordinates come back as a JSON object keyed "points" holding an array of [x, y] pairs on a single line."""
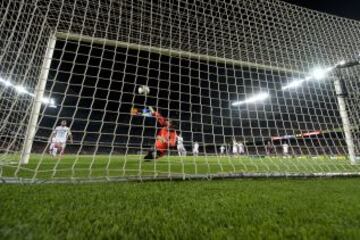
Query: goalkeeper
{"points": [[166, 136]]}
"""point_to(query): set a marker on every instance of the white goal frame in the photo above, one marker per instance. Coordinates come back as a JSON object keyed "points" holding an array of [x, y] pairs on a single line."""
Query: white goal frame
{"points": [[39, 91]]}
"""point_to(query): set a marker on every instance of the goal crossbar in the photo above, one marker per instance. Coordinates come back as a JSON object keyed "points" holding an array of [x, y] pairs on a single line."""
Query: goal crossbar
{"points": [[171, 52]]}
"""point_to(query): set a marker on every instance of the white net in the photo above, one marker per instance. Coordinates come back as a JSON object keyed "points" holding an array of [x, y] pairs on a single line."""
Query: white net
{"points": [[232, 80]]}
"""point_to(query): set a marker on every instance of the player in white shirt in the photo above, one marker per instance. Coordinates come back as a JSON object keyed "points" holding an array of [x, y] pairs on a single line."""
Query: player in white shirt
{"points": [[180, 145], [222, 151], [196, 149], [241, 148], [285, 148], [59, 138], [235, 148]]}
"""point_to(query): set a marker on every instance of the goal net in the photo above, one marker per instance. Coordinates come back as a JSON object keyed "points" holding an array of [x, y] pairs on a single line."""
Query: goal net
{"points": [[253, 88]]}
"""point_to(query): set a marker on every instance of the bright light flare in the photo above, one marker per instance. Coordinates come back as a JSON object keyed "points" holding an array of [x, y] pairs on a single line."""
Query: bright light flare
{"points": [[320, 73], [341, 63], [256, 98], [49, 101], [5, 82], [20, 89], [317, 74], [293, 84], [45, 100]]}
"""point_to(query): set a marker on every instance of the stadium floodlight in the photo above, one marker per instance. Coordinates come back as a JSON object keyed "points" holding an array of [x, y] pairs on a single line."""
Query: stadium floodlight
{"points": [[49, 101], [21, 89], [46, 100], [256, 98], [341, 63], [317, 74], [5, 82], [347, 64], [320, 73], [293, 84]]}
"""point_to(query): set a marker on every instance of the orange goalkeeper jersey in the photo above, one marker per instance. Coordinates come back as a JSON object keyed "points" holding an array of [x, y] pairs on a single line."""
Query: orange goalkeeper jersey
{"points": [[166, 137]]}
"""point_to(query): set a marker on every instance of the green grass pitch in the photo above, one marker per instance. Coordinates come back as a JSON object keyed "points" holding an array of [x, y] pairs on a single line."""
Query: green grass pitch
{"points": [[226, 209], [88, 167]]}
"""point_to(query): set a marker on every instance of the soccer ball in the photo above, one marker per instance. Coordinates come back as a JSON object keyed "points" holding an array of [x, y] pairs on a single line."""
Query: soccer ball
{"points": [[145, 90]]}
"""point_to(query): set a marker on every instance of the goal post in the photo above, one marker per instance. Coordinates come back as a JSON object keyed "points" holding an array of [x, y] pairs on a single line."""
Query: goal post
{"points": [[38, 101], [340, 92]]}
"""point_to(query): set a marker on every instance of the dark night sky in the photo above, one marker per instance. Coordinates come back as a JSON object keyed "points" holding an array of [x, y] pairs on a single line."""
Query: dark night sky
{"points": [[344, 8]]}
